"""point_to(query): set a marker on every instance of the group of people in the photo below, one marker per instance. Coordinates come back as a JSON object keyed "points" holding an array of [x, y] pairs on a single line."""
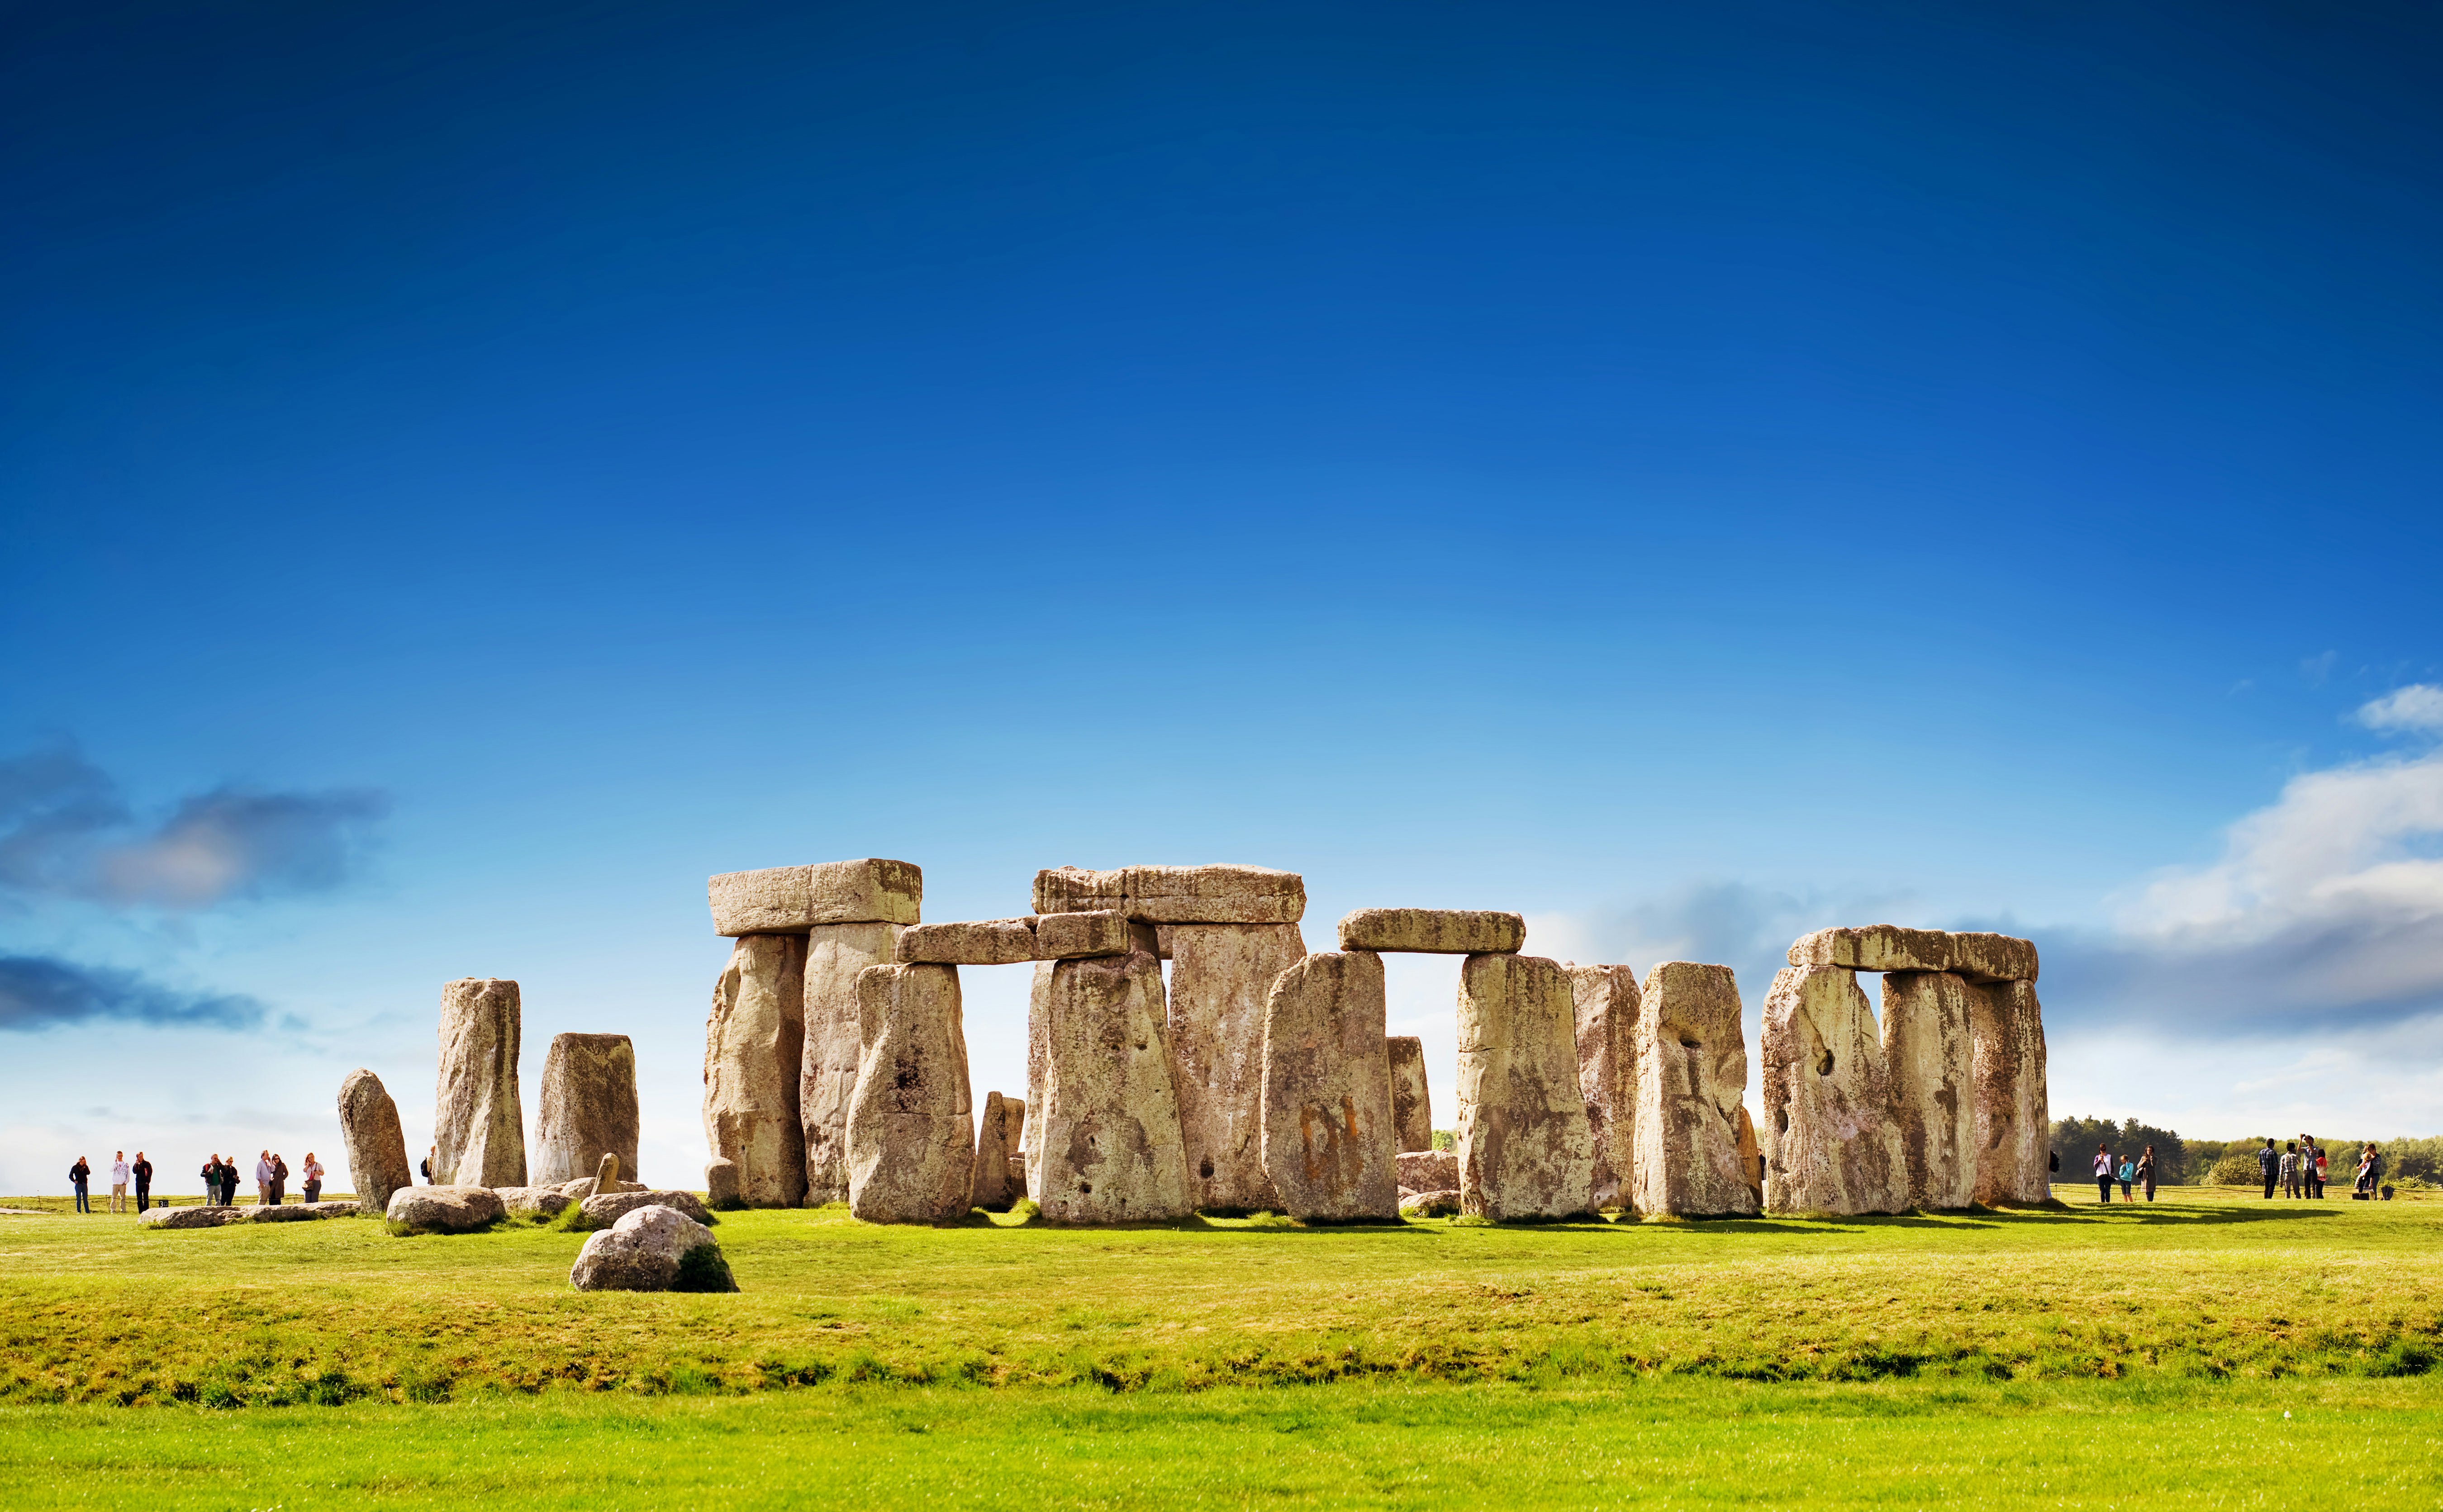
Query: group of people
{"points": [[2130, 1174], [220, 1181], [123, 1171], [2300, 1166]]}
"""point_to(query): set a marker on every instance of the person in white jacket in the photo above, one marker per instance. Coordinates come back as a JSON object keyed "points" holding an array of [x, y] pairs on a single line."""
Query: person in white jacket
{"points": [[119, 1182], [263, 1179]]}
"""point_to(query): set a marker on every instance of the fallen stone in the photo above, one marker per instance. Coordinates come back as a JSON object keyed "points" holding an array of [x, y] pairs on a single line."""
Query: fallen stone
{"points": [[1328, 1143], [1605, 999], [1525, 1149], [837, 954], [1443, 1203], [753, 1043], [792, 900], [911, 1148], [297, 1211], [1692, 1073], [1833, 1146], [602, 1213], [533, 1202], [479, 1133], [1982, 958], [2012, 1116], [1108, 1136], [1932, 1062], [1433, 931], [1429, 1171], [376, 1148], [588, 1106], [1079, 936], [1177, 895], [191, 1217], [996, 1135], [442, 1210], [1412, 1106], [1220, 977], [982, 942], [584, 1187], [652, 1248]]}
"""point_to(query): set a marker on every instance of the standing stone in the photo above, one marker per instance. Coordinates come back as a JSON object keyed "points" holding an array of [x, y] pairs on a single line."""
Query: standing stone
{"points": [[1328, 1143], [479, 1129], [1525, 1148], [2013, 1126], [1109, 1116], [1930, 1054], [1039, 1066], [1412, 1106], [1750, 1154], [1831, 1145], [751, 1047], [792, 900], [376, 1148], [1692, 1072], [996, 1135], [606, 1173], [911, 1146], [1605, 1001], [834, 1041], [589, 1106], [1221, 977]]}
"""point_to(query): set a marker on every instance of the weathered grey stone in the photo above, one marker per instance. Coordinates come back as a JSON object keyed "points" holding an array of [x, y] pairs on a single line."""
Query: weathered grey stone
{"points": [[836, 956], [1329, 1146], [1525, 1149], [376, 1147], [604, 1211], [1605, 999], [1750, 1154], [980, 943], [1077, 937], [1221, 975], [1982, 958], [652, 1248], [1038, 1062], [457, 1209], [1177, 895], [1832, 1146], [1932, 1062], [996, 1137], [191, 1217], [480, 1134], [1109, 1125], [1441, 1204], [584, 1187], [792, 900], [606, 1172], [1692, 1072], [1429, 1171], [1890, 948], [2012, 1116], [297, 1211], [533, 1201], [752, 1045], [588, 1106], [911, 1147], [1412, 1104], [1433, 931]]}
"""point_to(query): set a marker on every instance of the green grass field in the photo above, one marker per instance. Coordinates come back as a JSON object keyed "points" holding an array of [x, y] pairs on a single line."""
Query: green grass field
{"points": [[2091, 1356]]}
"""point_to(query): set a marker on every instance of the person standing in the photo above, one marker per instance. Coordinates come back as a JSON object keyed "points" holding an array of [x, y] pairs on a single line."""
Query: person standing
{"points": [[429, 1152], [262, 1178], [279, 1180], [81, 1172], [212, 1174], [2146, 1171], [2103, 1173], [2269, 1166], [312, 1171], [143, 1170], [2290, 1168], [2321, 1171], [2127, 1172], [119, 1182]]}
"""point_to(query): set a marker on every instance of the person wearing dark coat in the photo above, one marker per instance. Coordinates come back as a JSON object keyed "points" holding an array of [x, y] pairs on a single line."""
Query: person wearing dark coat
{"points": [[79, 1175], [2268, 1165], [279, 1178], [143, 1170]]}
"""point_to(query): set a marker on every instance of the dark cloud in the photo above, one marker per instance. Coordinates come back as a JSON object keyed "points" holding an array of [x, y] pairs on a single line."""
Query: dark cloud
{"points": [[65, 831], [41, 992]]}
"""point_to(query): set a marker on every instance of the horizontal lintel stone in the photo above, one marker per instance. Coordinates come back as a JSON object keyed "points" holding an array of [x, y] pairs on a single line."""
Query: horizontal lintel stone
{"points": [[1434, 931], [792, 900]]}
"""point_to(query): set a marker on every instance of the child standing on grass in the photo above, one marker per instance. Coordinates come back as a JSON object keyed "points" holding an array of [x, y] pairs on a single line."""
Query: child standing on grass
{"points": [[2127, 1170], [2103, 1173], [2290, 1168]]}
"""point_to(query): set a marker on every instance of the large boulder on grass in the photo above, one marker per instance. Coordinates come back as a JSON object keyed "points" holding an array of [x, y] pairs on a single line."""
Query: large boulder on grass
{"points": [[534, 1202], [606, 1211], [442, 1210], [652, 1248], [191, 1217]]}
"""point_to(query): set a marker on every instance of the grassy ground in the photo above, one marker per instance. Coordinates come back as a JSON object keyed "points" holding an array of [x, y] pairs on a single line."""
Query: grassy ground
{"points": [[2134, 1351]]}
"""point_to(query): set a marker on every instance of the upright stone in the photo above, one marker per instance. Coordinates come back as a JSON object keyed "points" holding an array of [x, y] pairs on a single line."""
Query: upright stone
{"points": [[1412, 1106], [996, 1135], [1692, 1072], [1831, 1145], [1328, 1143], [479, 1129], [911, 1148], [1039, 1067], [835, 1039], [589, 1106], [1931, 1055], [1525, 1148], [1108, 1113], [376, 1147], [606, 1173], [1220, 977], [2012, 1113], [1750, 1154], [751, 1048], [1605, 998]]}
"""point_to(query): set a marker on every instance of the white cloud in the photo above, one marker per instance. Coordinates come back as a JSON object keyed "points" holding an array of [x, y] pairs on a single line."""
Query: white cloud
{"points": [[2419, 706]]}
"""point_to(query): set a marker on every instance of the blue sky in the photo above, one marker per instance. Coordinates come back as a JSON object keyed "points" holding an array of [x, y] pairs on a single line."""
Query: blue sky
{"points": [[1690, 474]]}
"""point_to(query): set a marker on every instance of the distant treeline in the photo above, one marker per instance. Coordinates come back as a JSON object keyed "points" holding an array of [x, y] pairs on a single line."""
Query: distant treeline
{"points": [[2228, 1162]]}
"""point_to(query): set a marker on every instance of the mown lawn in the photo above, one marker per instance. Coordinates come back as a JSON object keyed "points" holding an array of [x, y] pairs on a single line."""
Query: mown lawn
{"points": [[2069, 1357]]}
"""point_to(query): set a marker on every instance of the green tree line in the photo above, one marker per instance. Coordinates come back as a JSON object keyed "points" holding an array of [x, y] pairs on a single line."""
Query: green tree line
{"points": [[2228, 1163]]}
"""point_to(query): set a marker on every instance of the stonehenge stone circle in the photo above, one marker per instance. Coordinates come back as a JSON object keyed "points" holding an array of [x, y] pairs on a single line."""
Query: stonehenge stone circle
{"points": [[837, 954], [1221, 977], [377, 1163], [1605, 998], [445, 1208], [1692, 1074], [1433, 931], [1412, 1104], [980, 943], [1928, 1052], [2013, 1121], [479, 1129], [912, 1149], [1103, 1116], [996, 1137], [1326, 1133], [1525, 1147], [1830, 1143], [1177, 895], [652, 1248], [752, 1044], [793, 899], [588, 1106]]}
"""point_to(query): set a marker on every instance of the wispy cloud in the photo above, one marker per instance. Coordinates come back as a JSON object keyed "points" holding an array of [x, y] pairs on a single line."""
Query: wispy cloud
{"points": [[42, 991], [2419, 706]]}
